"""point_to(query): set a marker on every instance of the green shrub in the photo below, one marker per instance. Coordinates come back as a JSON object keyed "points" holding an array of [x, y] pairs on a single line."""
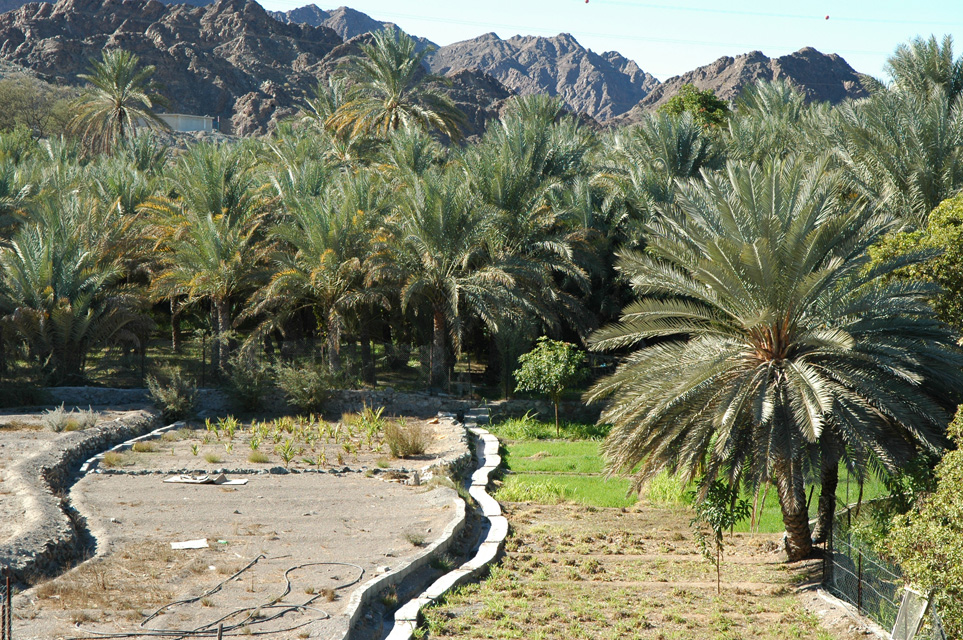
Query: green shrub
{"points": [[58, 419], [306, 387], [248, 382], [927, 542], [406, 439], [173, 395]]}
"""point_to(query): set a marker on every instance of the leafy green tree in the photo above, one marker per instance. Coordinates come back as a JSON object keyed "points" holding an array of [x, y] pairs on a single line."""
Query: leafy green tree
{"points": [[770, 333], [928, 542], [719, 510], [120, 97], [551, 368], [942, 241], [30, 102], [391, 89], [707, 110]]}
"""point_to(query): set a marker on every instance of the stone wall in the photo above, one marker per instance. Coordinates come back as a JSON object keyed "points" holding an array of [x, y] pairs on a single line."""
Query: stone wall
{"points": [[213, 402], [51, 540]]}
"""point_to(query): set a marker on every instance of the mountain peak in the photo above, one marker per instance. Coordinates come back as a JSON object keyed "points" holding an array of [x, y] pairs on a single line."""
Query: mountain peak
{"points": [[559, 66]]}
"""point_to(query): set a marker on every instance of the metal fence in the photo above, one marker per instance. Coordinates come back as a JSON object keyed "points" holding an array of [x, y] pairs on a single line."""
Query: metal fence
{"points": [[858, 575], [6, 608]]}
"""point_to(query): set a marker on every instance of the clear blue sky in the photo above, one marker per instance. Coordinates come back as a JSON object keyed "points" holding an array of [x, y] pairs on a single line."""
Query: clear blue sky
{"points": [[669, 37]]}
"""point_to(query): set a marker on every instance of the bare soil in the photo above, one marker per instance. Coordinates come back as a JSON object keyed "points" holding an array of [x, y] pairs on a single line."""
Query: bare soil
{"points": [[23, 436], [312, 539]]}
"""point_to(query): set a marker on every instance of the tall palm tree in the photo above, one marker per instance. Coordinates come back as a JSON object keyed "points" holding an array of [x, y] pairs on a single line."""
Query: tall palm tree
{"points": [[120, 97], [319, 264], [210, 246], [392, 89], [769, 332], [433, 248]]}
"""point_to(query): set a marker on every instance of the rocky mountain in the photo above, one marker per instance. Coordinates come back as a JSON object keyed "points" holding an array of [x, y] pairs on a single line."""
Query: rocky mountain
{"points": [[345, 21], [228, 59], [601, 86], [823, 78]]}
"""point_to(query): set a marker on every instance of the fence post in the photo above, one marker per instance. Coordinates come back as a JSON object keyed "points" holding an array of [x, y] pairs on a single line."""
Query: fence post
{"points": [[859, 584], [7, 620]]}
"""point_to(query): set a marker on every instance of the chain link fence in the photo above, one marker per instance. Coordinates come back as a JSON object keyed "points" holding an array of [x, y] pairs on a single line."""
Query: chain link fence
{"points": [[855, 573]]}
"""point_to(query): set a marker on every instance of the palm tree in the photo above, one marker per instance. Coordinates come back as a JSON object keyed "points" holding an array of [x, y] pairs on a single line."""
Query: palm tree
{"points": [[210, 245], [61, 289], [392, 89], [320, 262], [901, 151], [769, 332], [924, 64], [433, 248], [120, 98]]}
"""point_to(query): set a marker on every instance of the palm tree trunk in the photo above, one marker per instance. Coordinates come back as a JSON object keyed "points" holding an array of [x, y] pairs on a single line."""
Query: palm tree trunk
{"points": [[795, 516], [175, 328], [830, 453], [438, 363], [367, 360], [223, 309], [334, 343]]}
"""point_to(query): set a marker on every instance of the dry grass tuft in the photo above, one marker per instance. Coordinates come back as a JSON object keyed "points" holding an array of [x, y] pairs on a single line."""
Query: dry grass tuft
{"points": [[406, 439]]}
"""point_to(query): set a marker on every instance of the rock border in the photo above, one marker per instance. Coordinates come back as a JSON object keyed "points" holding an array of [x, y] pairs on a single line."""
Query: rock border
{"points": [[406, 618], [52, 540]]}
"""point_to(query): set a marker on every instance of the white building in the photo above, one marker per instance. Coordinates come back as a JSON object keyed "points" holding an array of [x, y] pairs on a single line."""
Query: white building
{"points": [[187, 123]]}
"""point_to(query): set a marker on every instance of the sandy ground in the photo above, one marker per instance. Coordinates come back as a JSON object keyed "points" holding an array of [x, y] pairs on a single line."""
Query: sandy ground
{"points": [[22, 436], [315, 537]]}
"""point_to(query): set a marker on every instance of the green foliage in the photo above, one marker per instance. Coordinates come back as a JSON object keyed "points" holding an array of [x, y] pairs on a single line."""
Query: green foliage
{"points": [[392, 90], [734, 287], [718, 511], [942, 240], [528, 427], [173, 394], [551, 368], [306, 387], [42, 108], [248, 381], [120, 96], [928, 541], [706, 109]]}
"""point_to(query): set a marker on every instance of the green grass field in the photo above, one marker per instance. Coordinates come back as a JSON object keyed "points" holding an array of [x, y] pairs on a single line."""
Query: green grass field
{"points": [[550, 471]]}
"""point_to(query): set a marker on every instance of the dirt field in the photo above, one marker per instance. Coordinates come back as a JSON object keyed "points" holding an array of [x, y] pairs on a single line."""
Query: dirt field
{"points": [[313, 538], [583, 572], [285, 551], [21, 436]]}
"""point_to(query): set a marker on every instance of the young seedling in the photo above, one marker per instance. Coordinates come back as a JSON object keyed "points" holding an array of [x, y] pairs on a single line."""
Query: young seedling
{"points": [[720, 510]]}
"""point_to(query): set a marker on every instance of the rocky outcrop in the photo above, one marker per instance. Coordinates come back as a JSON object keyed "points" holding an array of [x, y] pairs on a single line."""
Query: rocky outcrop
{"points": [[599, 86], [228, 59], [823, 78], [344, 21]]}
